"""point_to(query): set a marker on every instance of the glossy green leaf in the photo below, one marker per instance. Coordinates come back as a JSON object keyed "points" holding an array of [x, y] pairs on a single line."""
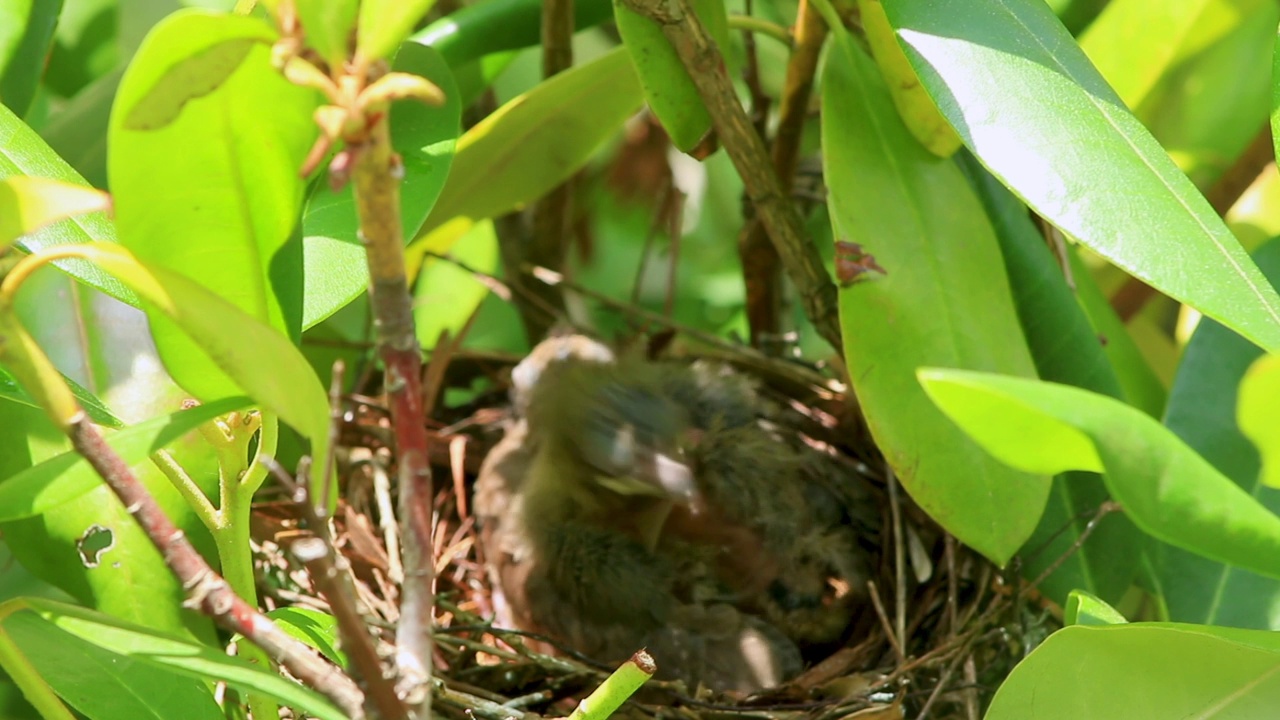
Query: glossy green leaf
{"points": [[1065, 349], [316, 629], [122, 642], [914, 105], [1133, 62], [28, 204], [1165, 487], [328, 25], [104, 685], [91, 548], [258, 358], [384, 24], [78, 132], [63, 478], [1144, 670], [536, 141], [1259, 398], [495, 26], [668, 88], [215, 193], [98, 413], [23, 153], [1142, 387], [424, 136], [1208, 108], [1083, 608], [26, 32], [937, 303], [1202, 413], [446, 295], [1081, 161]]}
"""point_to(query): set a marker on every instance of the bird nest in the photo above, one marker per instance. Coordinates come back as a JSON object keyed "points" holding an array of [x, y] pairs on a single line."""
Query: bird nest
{"points": [[940, 629]]}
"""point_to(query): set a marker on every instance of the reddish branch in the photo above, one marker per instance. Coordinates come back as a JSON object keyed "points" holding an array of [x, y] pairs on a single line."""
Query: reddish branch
{"points": [[760, 266], [205, 589], [376, 178], [698, 53]]}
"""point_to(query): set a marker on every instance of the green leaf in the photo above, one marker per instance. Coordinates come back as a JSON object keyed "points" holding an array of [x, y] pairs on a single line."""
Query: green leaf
{"points": [[105, 685], [1165, 487], [1205, 111], [536, 141], [424, 136], [1202, 412], [255, 356], [222, 175], [1133, 62], [68, 476], [1259, 398], [1142, 387], [1065, 349], [28, 204], [26, 33], [1144, 670], [91, 548], [446, 295], [328, 25], [937, 303], [384, 24], [1083, 608], [1081, 161], [495, 26], [316, 629], [24, 153], [120, 642], [98, 413], [668, 88]]}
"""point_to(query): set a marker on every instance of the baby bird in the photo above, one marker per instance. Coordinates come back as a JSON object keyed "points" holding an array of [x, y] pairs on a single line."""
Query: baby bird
{"points": [[636, 504]]}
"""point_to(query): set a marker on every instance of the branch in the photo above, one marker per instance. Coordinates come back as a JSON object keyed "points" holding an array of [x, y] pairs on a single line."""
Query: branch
{"points": [[747, 151], [205, 589], [759, 258], [376, 176]]}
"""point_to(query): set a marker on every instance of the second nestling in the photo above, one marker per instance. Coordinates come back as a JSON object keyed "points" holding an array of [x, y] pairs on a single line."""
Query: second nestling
{"points": [[645, 504]]}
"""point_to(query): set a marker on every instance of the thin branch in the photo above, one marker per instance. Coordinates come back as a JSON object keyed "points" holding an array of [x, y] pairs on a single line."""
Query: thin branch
{"points": [[706, 66], [204, 588], [554, 212], [328, 569], [760, 262], [376, 177]]}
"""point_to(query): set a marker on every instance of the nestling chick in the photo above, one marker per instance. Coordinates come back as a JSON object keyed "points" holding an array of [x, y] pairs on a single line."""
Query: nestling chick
{"points": [[634, 503]]}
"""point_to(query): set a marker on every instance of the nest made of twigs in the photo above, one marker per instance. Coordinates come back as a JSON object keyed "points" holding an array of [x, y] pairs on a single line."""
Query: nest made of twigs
{"points": [[943, 629]]}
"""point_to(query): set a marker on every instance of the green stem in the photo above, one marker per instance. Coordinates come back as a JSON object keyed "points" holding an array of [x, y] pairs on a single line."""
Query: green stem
{"points": [[760, 27], [187, 487], [828, 13]]}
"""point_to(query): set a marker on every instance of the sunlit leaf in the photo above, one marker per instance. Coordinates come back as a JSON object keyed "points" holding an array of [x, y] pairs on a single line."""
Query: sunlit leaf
{"points": [[1025, 99], [936, 303], [1164, 486]]}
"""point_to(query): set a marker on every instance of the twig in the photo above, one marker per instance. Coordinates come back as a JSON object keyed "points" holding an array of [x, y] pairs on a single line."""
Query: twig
{"points": [[204, 588], [878, 604], [1104, 509], [552, 214], [760, 264], [698, 53], [376, 178], [899, 560], [328, 570], [942, 682]]}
